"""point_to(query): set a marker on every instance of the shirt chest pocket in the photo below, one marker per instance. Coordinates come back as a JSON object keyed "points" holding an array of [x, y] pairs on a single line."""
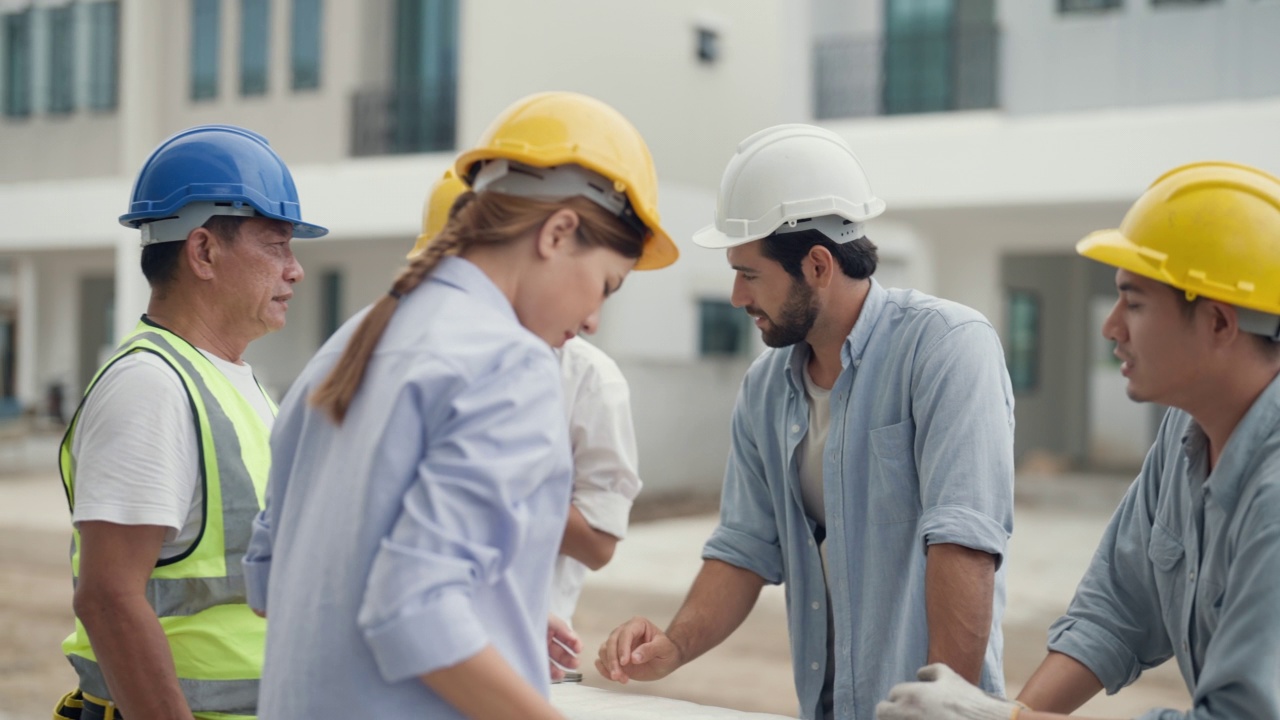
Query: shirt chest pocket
{"points": [[894, 487], [1166, 555]]}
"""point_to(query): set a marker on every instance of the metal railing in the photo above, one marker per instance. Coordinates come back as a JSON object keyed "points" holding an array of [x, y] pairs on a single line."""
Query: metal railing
{"points": [[952, 69], [388, 122]]}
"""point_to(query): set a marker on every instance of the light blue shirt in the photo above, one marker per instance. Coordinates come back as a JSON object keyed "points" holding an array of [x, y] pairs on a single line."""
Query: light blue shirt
{"points": [[425, 526], [920, 451], [1190, 568]]}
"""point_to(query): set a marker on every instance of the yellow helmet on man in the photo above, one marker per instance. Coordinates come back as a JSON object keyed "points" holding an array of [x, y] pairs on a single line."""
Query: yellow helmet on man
{"points": [[1209, 229]]}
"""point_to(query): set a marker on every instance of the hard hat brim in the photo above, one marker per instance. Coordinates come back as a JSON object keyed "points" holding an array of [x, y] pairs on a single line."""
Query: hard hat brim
{"points": [[1111, 247], [711, 238]]}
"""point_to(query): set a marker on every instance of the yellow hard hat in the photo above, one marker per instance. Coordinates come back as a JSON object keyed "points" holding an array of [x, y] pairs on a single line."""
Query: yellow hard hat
{"points": [[564, 128], [435, 211], [1210, 228]]}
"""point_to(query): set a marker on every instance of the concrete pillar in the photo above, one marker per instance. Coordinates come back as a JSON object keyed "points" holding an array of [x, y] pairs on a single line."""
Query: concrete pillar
{"points": [[140, 123], [25, 293]]}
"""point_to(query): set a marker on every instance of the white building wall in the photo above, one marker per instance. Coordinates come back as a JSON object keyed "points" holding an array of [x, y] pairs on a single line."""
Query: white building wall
{"points": [[1136, 55], [639, 57], [57, 280]]}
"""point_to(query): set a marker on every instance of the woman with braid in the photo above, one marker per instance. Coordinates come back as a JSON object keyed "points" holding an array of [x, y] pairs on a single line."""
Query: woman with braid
{"points": [[421, 469]]}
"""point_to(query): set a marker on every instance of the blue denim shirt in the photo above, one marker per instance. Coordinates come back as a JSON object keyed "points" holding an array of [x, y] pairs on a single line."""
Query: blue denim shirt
{"points": [[425, 526], [1190, 568], [920, 451]]}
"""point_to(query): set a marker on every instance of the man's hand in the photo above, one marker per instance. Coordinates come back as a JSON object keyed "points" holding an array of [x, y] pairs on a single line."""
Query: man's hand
{"points": [[563, 646], [638, 650], [943, 695]]}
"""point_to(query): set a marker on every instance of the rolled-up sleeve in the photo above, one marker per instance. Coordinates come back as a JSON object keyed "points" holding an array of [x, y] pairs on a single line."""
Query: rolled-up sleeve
{"points": [[605, 478], [463, 517], [747, 536], [1113, 625], [257, 562], [963, 405]]}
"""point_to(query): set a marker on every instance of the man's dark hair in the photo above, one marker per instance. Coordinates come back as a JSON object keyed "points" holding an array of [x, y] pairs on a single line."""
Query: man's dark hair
{"points": [[857, 258], [1269, 348], [160, 260]]}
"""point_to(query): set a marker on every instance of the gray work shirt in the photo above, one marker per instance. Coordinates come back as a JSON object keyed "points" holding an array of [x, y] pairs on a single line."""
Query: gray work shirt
{"points": [[1190, 568]]}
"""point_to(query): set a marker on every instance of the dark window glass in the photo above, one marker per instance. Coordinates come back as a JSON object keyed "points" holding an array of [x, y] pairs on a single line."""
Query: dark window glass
{"points": [[1023, 353], [104, 54], [205, 33], [255, 31], [305, 49], [17, 66], [722, 329]]}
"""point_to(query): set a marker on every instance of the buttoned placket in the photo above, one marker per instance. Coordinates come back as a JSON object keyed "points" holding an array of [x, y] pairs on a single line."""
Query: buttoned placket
{"points": [[797, 414], [833, 490]]}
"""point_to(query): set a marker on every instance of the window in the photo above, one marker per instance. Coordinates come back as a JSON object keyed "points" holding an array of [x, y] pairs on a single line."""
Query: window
{"points": [[205, 18], [723, 330], [17, 66], [255, 30], [918, 56], [8, 361], [61, 47], [1023, 354], [1075, 6], [306, 44], [426, 75], [708, 45], [330, 303], [104, 54], [1158, 3]]}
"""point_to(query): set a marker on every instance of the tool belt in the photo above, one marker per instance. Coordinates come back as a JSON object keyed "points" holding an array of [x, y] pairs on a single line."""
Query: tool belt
{"points": [[79, 705]]}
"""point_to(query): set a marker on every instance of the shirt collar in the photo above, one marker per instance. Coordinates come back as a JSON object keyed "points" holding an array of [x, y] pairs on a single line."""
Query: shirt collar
{"points": [[1229, 476], [464, 275], [854, 345]]}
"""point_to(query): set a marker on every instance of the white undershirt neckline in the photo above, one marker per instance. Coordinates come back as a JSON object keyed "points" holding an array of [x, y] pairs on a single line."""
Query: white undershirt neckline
{"points": [[810, 451]]}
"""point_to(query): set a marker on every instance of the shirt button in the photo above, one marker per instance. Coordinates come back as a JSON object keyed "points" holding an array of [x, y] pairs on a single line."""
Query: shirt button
{"points": [[795, 428], [810, 542], [813, 666], [816, 604], [1184, 646]]}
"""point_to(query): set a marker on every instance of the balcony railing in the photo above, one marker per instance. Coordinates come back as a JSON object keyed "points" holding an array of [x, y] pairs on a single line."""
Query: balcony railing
{"points": [[388, 122], [953, 69]]}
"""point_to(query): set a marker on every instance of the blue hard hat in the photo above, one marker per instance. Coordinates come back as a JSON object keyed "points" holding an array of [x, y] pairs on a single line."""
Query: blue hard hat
{"points": [[216, 164]]}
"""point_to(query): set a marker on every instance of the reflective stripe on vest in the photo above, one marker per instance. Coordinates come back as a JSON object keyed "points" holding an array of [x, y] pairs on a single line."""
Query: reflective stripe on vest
{"points": [[199, 596]]}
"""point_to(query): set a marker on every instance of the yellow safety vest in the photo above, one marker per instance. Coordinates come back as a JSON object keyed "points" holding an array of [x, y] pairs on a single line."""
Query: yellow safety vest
{"points": [[199, 596]]}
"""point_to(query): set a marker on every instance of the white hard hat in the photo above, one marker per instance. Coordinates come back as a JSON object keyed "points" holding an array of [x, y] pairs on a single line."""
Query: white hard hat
{"points": [[789, 178]]}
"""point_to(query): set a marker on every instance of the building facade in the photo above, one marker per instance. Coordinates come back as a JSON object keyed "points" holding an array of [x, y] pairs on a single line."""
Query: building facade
{"points": [[999, 133]]}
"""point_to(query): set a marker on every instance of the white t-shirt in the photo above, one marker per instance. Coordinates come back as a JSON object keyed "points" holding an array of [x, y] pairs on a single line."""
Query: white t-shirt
{"points": [[809, 452], [137, 461], [605, 479]]}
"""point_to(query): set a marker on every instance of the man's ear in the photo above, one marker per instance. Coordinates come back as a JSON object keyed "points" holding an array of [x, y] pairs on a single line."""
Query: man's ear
{"points": [[820, 266], [1223, 321], [558, 233], [201, 252]]}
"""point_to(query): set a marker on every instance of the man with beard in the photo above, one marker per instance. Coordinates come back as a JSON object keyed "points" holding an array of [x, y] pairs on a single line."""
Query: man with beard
{"points": [[871, 466]]}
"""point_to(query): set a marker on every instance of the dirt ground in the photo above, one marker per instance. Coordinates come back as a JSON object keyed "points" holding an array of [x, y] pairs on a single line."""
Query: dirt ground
{"points": [[751, 671]]}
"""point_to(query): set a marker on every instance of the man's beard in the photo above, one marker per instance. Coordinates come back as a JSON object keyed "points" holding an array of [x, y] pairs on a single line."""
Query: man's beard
{"points": [[795, 318]]}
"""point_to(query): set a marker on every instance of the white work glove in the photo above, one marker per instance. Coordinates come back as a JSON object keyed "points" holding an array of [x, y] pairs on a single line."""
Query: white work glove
{"points": [[943, 695]]}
